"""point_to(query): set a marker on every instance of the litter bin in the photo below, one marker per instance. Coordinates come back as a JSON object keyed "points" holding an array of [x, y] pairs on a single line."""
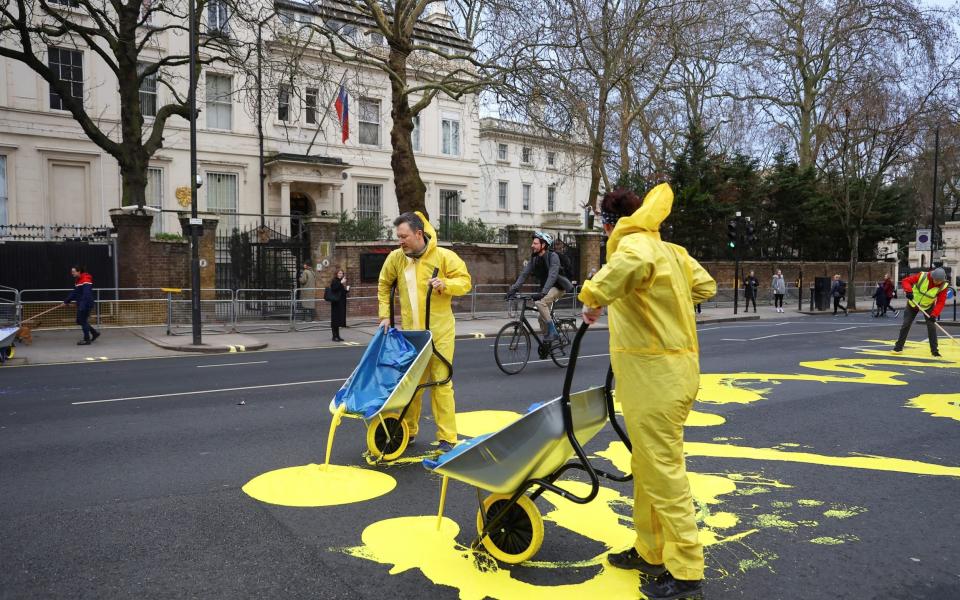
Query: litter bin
{"points": [[821, 292]]}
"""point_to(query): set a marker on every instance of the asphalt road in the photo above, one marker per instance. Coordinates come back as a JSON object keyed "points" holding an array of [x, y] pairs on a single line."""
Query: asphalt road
{"points": [[123, 478]]}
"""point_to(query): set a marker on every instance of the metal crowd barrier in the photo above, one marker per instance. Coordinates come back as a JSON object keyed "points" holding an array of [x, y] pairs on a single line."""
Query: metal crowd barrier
{"points": [[9, 306], [216, 311]]}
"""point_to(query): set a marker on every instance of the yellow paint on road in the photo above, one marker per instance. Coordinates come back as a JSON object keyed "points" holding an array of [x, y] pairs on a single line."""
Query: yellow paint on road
{"points": [[938, 405], [315, 485]]}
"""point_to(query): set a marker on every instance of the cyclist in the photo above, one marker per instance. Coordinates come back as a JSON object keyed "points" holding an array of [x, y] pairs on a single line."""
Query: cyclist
{"points": [[545, 265]]}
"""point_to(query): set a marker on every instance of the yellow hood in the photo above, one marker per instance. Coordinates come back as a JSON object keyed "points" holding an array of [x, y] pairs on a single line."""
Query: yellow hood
{"points": [[656, 207], [430, 231]]}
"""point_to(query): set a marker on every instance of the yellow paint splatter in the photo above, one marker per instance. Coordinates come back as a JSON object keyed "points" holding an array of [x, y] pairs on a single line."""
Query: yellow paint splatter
{"points": [[722, 520], [938, 405], [775, 521], [872, 463], [318, 485], [808, 502], [479, 422], [834, 541], [844, 512], [703, 419]]}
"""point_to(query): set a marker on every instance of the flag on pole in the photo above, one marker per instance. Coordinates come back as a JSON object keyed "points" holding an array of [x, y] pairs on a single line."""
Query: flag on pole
{"points": [[342, 104]]}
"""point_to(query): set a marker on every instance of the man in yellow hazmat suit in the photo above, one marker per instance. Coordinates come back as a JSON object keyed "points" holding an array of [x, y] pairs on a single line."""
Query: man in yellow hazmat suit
{"points": [[650, 288], [411, 268]]}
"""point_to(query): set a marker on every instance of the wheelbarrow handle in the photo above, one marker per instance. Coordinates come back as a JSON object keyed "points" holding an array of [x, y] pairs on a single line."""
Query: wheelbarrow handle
{"points": [[568, 413], [393, 292]]}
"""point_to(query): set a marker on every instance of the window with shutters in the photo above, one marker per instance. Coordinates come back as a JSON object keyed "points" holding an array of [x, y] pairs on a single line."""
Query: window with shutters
{"points": [[219, 101], [369, 201], [222, 197], [369, 121]]}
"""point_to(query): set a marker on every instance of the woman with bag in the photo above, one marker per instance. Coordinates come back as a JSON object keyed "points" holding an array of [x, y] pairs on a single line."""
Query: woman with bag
{"points": [[336, 295]]}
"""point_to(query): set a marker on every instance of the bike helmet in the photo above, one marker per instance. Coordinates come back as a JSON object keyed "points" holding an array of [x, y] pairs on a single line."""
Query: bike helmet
{"points": [[544, 237]]}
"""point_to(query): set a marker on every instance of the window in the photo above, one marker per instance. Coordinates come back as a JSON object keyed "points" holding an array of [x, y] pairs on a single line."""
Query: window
{"points": [[551, 199], [67, 66], [4, 217], [369, 121], [219, 102], [551, 159], [283, 103], [375, 38], [148, 91], [369, 201], [218, 17], [502, 195], [450, 130], [310, 100], [526, 196], [154, 195], [69, 3], [502, 152], [286, 18], [146, 12], [449, 206], [346, 30], [222, 200], [526, 155], [415, 135]]}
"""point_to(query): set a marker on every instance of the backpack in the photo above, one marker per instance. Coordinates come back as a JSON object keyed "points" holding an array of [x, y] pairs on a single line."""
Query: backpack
{"points": [[842, 288], [566, 266]]}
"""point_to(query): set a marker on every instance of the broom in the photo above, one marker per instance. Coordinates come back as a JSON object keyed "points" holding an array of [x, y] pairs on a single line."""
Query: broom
{"points": [[25, 333], [953, 339]]}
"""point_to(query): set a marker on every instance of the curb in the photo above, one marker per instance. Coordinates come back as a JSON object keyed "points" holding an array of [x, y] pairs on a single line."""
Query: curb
{"points": [[204, 348], [710, 320]]}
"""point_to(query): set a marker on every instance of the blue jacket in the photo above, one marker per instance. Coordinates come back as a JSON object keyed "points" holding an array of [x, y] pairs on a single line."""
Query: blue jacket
{"points": [[82, 292]]}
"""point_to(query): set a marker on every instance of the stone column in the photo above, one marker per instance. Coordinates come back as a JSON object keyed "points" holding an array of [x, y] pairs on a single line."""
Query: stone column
{"points": [[590, 245], [208, 261], [323, 241], [520, 237], [285, 198], [133, 247], [333, 195]]}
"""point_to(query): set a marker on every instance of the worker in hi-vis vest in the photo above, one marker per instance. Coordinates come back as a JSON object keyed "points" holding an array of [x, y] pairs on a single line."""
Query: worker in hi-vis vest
{"points": [[925, 292]]}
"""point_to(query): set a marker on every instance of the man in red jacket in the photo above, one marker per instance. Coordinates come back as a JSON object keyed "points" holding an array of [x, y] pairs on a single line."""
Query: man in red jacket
{"points": [[925, 292]]}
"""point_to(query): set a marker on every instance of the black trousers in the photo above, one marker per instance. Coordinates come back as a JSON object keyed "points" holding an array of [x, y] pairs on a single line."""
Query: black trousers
{"points": [[747, 300], [837, 305], [909, 314], [778, 300], [83, 316]]}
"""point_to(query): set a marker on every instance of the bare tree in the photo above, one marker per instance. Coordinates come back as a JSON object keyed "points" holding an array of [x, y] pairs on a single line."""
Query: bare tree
{"points": [[125, 35]]}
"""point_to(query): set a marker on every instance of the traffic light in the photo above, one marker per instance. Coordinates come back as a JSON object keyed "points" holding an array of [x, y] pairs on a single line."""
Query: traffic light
{"points": [[750, 234], [732, 233]]}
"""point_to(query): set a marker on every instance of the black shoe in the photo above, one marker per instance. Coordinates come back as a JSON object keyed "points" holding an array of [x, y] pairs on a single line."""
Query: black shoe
{"points": [[665, 587], [83, 343], [898, 348], [96, 334], [631, 559], [935, 353]]}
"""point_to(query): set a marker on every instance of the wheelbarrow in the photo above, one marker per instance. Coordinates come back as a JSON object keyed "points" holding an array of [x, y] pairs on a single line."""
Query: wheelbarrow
{"points": [[527, 458], [8, 337], [380, 394]]}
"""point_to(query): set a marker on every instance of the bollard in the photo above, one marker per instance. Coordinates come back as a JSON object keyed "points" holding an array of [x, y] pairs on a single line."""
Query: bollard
{"points": [[811, 299]]}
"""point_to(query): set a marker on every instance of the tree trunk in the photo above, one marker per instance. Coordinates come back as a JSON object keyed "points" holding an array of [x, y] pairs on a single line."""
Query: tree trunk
{"points": [[625, 109], [410, 190], [596, 157], [851, 282], [133, 183]]}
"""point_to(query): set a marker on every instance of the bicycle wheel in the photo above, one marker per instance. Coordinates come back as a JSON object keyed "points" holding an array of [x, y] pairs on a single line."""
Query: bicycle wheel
{"points": [[512, 348], [560, 350]]}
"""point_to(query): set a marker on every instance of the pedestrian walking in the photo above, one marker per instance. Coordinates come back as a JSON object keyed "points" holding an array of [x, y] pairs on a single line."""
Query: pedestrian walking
{"points": [[927, 292], [338, 303], [890, 290], [82, 294], [779, 287], [879, 300], [308, 291], [649, 288], [410, 267], [838, 290], [750, 286]]}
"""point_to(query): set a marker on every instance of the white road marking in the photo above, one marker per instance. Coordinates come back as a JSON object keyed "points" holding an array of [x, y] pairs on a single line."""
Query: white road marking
{"points": [[255, 362], [235, 389]]}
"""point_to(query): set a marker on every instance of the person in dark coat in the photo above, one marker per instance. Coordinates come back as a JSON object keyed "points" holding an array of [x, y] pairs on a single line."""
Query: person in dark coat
{"points": [[82, 294], [338, 306]]}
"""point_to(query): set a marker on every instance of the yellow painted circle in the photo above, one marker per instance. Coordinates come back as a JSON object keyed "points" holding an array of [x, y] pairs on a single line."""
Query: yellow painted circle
{"points": [[479, 422], [319, 485]]}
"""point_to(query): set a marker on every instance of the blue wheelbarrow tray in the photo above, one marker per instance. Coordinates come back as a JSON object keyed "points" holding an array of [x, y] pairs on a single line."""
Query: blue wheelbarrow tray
{"points": [[402, 393], [534, 446]]}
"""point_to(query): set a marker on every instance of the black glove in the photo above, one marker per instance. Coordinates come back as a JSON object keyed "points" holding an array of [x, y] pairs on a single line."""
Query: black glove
{"points": [[511, 293], [537, 296], [909, 295]]}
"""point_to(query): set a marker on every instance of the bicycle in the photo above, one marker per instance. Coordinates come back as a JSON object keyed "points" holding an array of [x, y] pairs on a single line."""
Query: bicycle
{"points": [[512, 346]]}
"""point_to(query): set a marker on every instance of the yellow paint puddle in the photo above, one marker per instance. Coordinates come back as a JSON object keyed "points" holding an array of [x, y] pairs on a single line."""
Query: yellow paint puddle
{"points": [[319, 485], [479, 422], [703, 419], [938, 405]]}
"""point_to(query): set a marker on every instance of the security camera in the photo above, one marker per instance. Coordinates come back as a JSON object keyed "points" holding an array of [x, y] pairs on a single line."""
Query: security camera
{"points": [[199, 181], [462, 199]]}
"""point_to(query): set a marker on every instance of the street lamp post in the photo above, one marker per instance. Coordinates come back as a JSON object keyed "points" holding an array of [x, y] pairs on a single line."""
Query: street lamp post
{"points": [[933, 214], [195, 222]]}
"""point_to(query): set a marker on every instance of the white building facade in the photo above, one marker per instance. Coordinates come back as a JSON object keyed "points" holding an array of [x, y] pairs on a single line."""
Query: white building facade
{"points": [[531, 179], [51, 173]]}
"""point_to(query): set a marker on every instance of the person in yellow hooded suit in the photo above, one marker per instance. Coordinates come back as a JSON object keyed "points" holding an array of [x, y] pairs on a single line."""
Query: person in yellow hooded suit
{"points": [[650, 288], [411, 268]]}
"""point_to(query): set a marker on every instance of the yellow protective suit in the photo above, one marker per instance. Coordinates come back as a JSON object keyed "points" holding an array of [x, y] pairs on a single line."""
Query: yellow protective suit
{"points": [[411, 276], [651, 287]]}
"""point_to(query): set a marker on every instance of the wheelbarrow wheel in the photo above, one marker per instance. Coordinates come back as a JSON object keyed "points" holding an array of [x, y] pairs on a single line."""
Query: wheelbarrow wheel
{"points": [[519, 533], [6, 353], [383, 446]]}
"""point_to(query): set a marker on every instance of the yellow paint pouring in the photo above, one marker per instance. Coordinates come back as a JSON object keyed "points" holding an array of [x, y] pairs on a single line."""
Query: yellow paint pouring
{"points": [[334, 423], [318, 485], [938, 405], [479, 422]]}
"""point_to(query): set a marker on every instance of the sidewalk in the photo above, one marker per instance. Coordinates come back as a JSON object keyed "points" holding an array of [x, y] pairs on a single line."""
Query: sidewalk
{"points": [[59, 345]]}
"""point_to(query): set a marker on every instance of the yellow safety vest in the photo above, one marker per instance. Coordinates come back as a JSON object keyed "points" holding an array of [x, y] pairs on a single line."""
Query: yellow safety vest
{"points": [[925, 294]]}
